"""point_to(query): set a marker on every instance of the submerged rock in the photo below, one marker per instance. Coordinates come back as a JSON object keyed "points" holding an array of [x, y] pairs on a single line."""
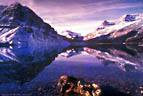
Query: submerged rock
{"points": [[71, 86]]}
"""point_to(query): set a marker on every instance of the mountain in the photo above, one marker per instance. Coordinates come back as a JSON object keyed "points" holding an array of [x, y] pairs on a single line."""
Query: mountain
{"points": [[20, 26], [74, 38], [124, 30], [72, 35], [105, 24]]}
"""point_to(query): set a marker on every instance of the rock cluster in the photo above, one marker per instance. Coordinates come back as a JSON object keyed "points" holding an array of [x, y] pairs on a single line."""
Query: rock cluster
{"points": [[71, 86]]}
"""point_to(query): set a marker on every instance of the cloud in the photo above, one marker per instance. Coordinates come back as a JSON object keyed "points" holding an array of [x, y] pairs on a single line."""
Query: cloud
{"points": [[8, 2], [59, 11], [79, 9], [83, 13], [69, 13]]}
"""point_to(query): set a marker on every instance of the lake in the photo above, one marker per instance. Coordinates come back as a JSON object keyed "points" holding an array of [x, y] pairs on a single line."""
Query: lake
{"points": [[29, 71]]}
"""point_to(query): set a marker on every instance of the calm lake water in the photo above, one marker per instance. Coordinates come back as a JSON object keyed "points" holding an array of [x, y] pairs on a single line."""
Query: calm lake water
{"points": [[29, 71]]}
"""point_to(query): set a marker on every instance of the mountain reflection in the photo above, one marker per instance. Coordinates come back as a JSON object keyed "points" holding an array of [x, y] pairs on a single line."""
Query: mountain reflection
{"points": [[20, 65], [23, 64], [127, 58]]}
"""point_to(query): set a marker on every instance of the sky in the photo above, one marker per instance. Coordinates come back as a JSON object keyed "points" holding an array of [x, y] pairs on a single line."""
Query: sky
{"points": [[81, 16]]}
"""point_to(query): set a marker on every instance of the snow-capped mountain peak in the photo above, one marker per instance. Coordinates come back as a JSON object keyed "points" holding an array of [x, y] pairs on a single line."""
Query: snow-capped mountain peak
{"points": [[71, 35], [107, 23], [16, 14], [15, 5], [131, 17], [19, 23], [128, 18], [108, 31]]}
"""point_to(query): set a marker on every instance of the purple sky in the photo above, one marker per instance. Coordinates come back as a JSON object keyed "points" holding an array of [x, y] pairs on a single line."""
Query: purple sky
{"points": [[80, 15]]}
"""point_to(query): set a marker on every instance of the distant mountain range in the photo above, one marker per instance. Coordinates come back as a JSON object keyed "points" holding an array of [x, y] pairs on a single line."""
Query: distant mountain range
{"points": [[128, 29]]}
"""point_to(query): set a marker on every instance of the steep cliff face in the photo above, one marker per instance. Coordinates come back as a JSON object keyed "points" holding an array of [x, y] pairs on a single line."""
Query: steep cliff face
{"points": [[20, 25], [119, 31]]}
